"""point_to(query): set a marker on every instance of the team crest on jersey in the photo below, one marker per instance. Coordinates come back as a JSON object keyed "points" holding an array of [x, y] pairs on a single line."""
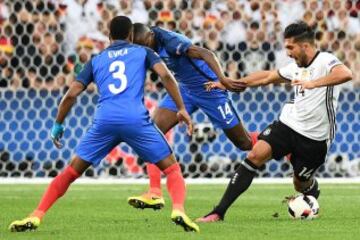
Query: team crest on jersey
{"points": [[267, 131], [305, 74]]}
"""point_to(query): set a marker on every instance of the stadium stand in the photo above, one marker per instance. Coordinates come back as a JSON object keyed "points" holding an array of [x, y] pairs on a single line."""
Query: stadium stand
{"points": [[44, 44]]}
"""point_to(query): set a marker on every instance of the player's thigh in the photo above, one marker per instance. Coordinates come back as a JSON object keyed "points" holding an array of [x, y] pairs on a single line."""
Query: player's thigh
{"points": [[307, 157], [165, 114], [279, 137], [165, 119], [148, 142], [97, 143]]}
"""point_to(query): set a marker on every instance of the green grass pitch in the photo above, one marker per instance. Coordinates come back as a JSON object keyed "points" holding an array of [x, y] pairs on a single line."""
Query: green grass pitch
{"points": [[101, 212]]}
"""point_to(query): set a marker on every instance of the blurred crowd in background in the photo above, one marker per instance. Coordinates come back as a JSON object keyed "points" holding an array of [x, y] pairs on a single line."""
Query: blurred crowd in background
{"points": [[44, 44]]}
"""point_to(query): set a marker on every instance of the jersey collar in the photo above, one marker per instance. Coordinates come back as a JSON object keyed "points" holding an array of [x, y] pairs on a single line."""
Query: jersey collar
{"points": [[118, 43], [312, 60]]}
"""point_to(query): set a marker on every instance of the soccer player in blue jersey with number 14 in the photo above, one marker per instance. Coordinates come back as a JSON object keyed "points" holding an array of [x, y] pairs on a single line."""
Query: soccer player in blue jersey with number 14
{"points": [[192, 66], [119, 73]]}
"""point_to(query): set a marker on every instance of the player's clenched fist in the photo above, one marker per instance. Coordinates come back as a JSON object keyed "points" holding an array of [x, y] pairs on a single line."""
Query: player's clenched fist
{"points": [[183, 117], [57, 132]]}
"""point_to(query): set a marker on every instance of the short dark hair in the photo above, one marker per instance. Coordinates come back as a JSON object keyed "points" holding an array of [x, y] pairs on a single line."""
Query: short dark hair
{"points": [[120, 27], [140, 29], [300, 31]]}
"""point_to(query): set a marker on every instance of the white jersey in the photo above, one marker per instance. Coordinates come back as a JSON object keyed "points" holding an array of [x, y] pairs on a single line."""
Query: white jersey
{"points": [[312, 113]]}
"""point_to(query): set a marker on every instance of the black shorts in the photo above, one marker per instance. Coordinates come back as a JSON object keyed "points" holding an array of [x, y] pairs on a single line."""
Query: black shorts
{"points": [[307, 154]]}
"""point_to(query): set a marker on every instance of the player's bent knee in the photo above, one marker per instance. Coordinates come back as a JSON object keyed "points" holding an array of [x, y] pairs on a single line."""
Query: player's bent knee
{"points": [[254, 158], [164, 119], [166, 162], [251, 156], [79, 165]]}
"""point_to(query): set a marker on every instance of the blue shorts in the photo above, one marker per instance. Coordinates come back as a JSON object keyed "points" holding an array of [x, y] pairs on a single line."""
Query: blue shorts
{"points": [[145, 139], [218, 108]]}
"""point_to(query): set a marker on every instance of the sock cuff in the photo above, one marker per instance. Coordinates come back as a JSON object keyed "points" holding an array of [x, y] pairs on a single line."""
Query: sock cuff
{"points": [[172, 168], [152, 169], [311, 187], [249, 165], [150, 165], [70, 170]]}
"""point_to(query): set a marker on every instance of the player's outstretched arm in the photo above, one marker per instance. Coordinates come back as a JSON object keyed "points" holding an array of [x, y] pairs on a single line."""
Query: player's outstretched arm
{"points": [[255, 79], [338, 75], [64, 108], [211, 59], [171, 87], [258, 78]]}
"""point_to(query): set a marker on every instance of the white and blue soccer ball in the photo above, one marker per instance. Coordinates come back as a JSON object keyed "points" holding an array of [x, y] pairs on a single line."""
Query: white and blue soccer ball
{"points": [[303, 207]]}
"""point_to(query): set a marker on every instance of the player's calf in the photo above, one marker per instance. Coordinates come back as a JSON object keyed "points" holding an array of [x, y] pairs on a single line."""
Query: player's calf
{"points": [[239, 183]]}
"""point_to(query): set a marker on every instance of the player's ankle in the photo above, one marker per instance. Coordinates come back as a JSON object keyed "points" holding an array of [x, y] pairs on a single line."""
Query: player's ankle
{"points": [[37, 213], [313, 189], [156, 191], [178, 207], [218, 212]]}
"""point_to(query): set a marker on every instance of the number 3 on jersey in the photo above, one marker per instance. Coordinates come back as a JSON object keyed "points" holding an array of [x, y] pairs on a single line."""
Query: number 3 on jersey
{"points": [[117, 68]]}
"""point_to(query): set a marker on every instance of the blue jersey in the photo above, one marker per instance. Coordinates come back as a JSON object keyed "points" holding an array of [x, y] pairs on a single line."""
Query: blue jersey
{"points": [[189, 72], [119, 73]]}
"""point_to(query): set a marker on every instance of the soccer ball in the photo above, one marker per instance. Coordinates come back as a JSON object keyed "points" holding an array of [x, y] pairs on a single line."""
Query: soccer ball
{"points": [[303, 207]]}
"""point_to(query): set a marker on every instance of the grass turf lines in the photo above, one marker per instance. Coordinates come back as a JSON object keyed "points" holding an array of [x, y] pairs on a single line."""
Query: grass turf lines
{"points": [[101, 212]]}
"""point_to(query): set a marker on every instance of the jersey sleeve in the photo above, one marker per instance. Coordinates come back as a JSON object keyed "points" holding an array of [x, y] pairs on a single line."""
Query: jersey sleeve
{"points": [[151, 58], [287, 72], [174, 43], [331, 61], [86, 75]]}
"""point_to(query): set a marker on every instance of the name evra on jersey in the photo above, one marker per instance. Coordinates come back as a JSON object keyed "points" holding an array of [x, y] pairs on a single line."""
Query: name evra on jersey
{"points": [[121, 52]]}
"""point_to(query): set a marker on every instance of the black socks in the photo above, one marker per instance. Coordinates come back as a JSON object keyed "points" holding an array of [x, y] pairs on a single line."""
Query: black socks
{"points": [[239, 183], [313, 190]]}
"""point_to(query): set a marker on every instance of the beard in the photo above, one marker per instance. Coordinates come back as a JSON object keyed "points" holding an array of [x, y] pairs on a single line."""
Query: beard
{"points": [[302, 60]]}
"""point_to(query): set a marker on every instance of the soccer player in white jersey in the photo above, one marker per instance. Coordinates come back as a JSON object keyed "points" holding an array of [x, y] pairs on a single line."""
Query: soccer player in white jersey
{"points": [[306, 125]]}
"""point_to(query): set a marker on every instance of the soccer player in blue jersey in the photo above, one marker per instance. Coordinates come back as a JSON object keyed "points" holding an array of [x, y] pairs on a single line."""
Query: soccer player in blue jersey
{"points": [[192, 66], [119, 73]]}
